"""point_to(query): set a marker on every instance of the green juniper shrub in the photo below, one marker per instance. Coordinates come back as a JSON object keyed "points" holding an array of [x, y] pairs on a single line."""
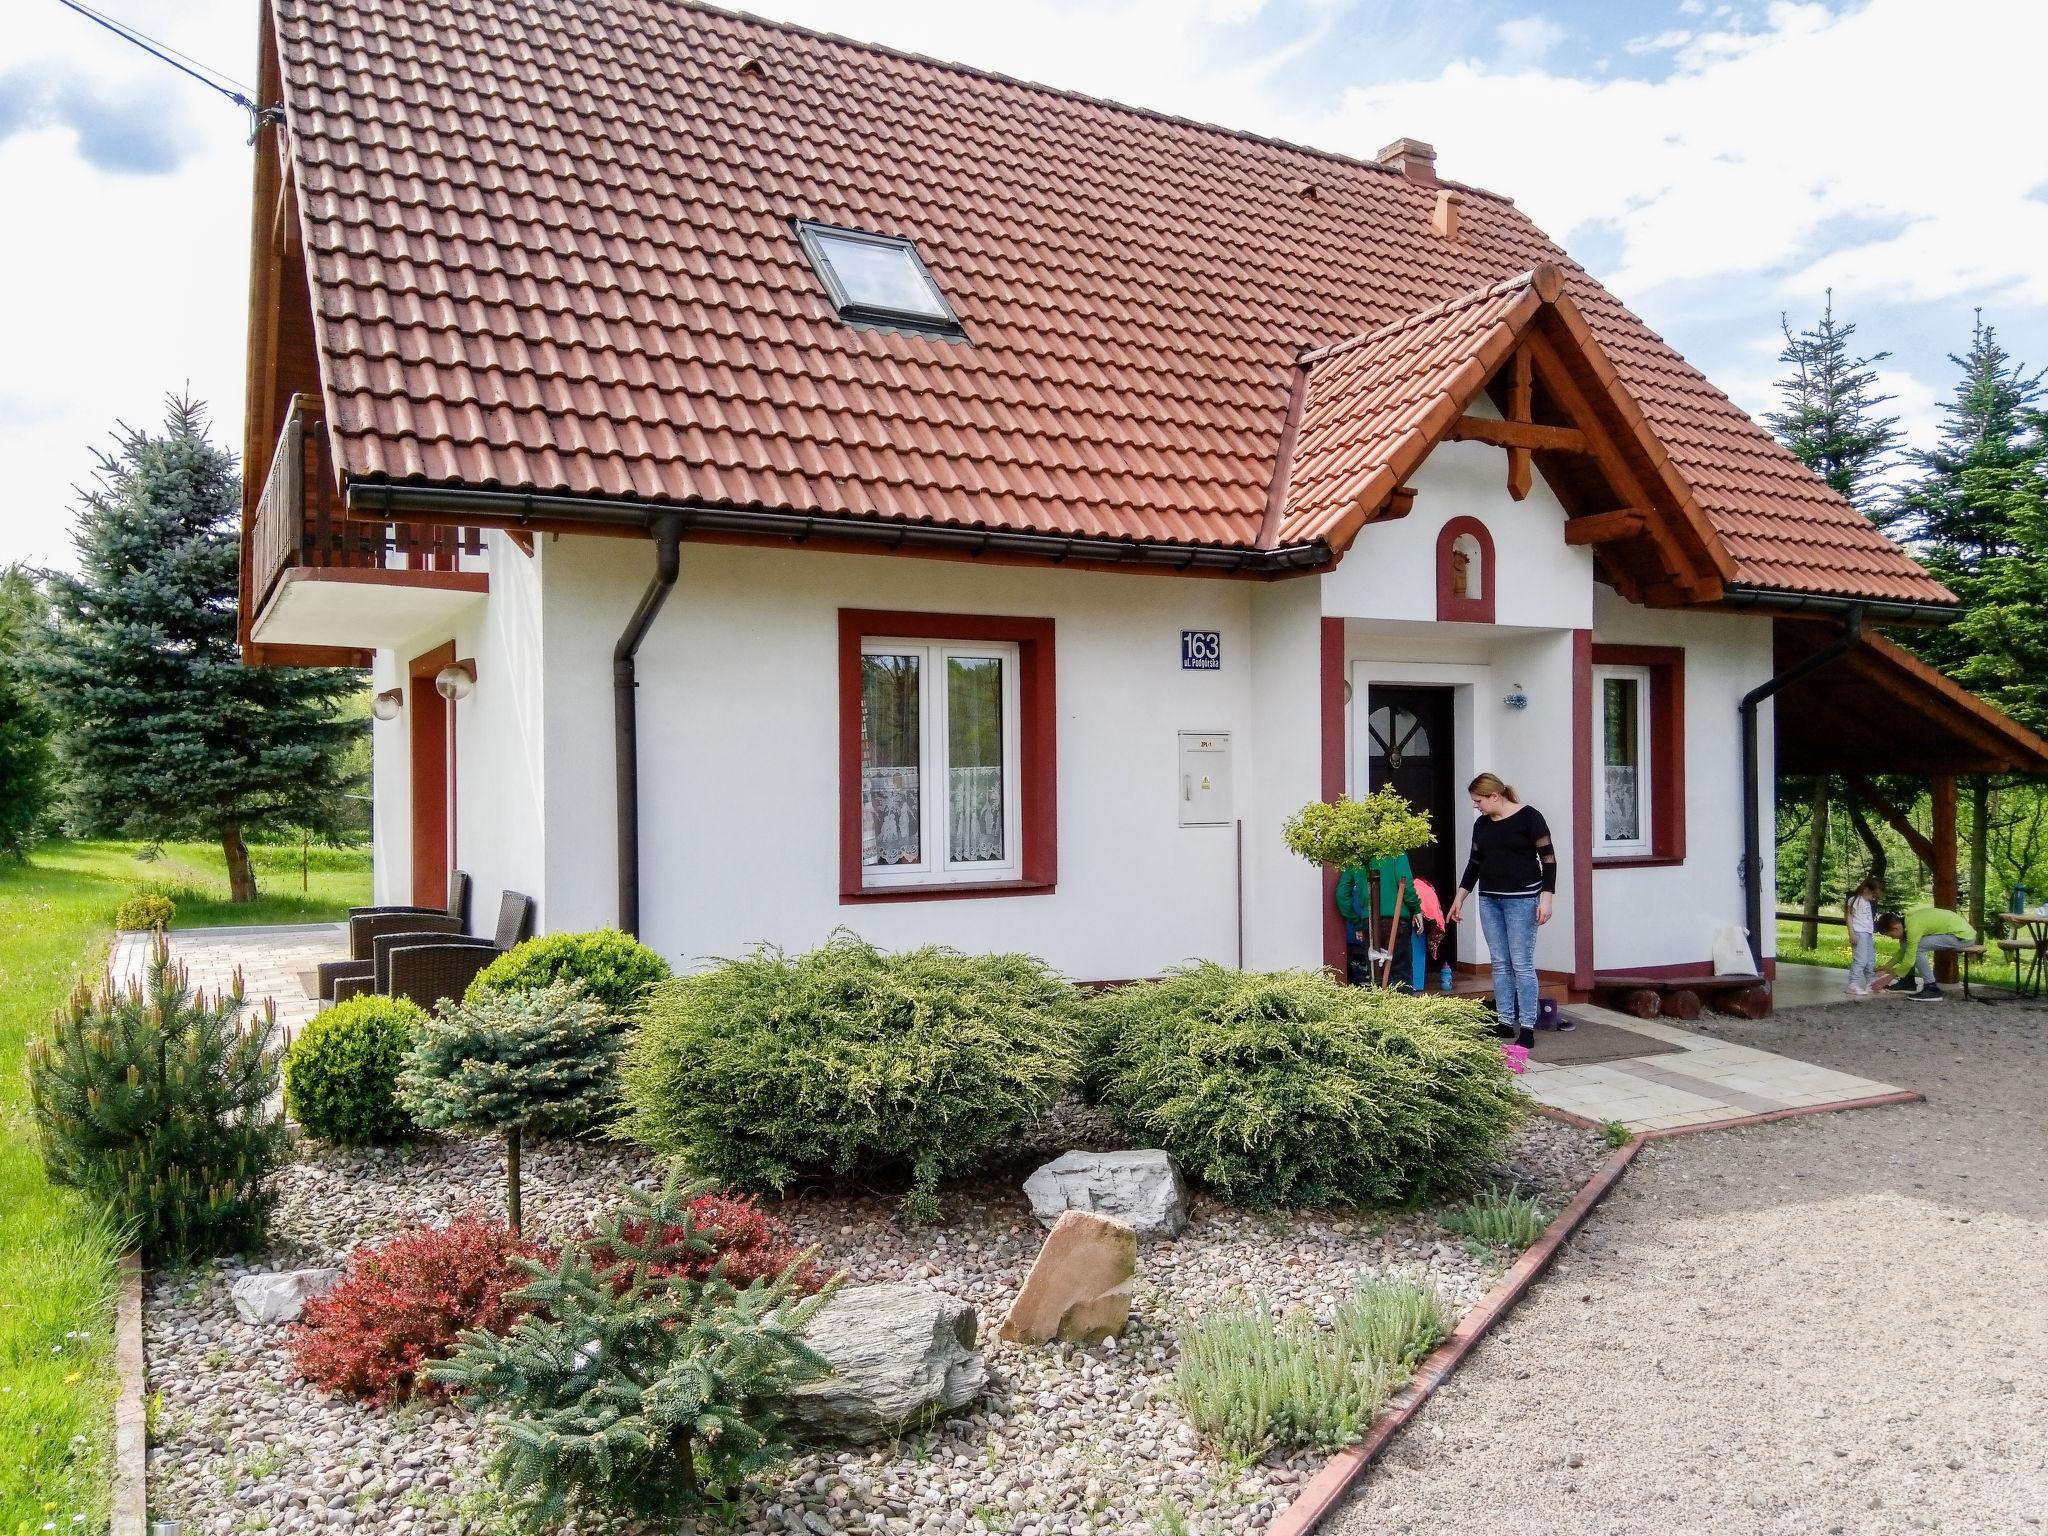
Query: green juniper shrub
{"points": [[614, 968], [766, 1069], [1499, 1219], [151, 1100], [1250, 1381], [144, 910], [632, 1384], [341, 1073], [1287, 1088], [512, 1062]]}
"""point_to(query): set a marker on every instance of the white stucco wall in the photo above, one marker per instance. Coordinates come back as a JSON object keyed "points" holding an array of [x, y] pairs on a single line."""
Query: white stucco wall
{"points": [[1538, 580], [1667, 916], [740, 771], [499, 776]]}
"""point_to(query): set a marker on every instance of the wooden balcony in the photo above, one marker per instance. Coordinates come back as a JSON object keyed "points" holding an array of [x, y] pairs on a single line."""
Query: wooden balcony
{"points": [[319, 577]]}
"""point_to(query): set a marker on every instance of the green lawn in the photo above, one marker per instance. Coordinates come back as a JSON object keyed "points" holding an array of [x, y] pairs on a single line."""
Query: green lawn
{"points": [[1833, 949], [56, 1260]]}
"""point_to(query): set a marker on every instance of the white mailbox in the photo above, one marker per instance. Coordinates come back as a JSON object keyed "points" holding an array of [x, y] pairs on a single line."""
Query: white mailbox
{"points": [[1204, 778]]}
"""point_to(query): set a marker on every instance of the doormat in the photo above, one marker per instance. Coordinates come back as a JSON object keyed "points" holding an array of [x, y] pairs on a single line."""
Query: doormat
{"points": [[1593, 1042]]}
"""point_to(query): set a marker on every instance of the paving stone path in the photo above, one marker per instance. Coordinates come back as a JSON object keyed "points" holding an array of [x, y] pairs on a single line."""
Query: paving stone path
{"points": [[270, 960], [1824, 1325]]}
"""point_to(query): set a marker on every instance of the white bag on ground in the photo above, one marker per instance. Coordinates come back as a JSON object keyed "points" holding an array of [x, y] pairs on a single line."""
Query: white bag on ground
{"points": [[1731, 951]]}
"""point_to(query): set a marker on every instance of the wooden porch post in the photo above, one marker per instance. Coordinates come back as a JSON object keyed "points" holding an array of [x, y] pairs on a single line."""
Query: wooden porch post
{"points": [[1944, 840]]}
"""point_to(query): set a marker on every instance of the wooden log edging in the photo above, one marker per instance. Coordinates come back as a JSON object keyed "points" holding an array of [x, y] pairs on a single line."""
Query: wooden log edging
{"points": [[130, 1513], [1327, 1488]]}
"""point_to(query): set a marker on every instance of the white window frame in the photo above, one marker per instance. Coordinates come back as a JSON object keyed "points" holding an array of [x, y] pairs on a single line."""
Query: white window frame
{"points": [[938, 868], [1643, 843]]}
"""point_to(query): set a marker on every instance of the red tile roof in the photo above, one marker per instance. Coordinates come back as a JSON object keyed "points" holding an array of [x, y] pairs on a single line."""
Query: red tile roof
{"points": [[551, 248]]}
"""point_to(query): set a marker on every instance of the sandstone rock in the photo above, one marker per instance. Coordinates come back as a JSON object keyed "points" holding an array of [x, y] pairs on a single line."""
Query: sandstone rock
{"points": [[1141, 1189], [902, 1355], [1079, 1288], [278, 1298]]}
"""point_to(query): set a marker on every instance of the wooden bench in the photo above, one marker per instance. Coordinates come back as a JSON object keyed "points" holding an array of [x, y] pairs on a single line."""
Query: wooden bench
{"points": [[1680, 997]]}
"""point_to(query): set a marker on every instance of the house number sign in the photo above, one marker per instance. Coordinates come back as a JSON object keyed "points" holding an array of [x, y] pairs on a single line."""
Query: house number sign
{"points": [[1201, 650]]}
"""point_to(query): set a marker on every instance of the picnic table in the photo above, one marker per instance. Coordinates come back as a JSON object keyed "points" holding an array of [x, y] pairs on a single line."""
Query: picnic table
{"points": [[2029, 950]]}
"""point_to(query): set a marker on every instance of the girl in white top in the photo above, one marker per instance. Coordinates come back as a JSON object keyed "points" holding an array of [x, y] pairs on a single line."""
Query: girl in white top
{"points": [[1861, 911]]}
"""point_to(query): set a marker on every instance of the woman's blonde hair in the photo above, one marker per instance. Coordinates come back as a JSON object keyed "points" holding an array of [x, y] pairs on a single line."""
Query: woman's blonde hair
{"points": [[1492, 784]]}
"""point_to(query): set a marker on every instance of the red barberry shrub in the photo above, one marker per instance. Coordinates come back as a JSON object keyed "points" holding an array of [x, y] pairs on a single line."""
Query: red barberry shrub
{"points": [[754, 1245], [404, 1302]]}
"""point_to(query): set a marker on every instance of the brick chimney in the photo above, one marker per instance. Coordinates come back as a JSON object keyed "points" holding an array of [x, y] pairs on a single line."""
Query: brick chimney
{"points": [[1413, 159]]}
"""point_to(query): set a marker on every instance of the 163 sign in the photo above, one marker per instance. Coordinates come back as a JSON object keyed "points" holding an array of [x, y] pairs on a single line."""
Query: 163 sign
{"points": [[1201, 650]]}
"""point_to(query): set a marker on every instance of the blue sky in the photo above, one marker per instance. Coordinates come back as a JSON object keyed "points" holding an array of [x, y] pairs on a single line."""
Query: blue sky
{"points": [[1715, 163]]}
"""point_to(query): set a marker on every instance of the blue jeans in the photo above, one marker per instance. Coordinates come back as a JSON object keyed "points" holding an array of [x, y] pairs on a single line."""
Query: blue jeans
{"points": [[1509, 923], [1923, 959], [1863, 964]]}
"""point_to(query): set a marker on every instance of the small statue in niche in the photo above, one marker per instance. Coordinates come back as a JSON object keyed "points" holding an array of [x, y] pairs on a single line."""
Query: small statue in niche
{"points": [[1461, 570]]}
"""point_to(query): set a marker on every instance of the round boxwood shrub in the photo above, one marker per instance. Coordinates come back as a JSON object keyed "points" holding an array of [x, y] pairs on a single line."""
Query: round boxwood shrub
{"points": [[767, 1069], [615, 968], [341, 1073], [1288, 1088], [143, 910]]}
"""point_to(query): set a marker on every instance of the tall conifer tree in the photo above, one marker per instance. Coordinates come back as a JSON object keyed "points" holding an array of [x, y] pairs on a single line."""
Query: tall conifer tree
{"points": [[164, 733], [1830, 418]]}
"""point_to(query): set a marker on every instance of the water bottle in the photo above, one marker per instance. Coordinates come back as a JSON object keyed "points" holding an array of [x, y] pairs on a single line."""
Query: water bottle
{"points": [[1443, 980]]}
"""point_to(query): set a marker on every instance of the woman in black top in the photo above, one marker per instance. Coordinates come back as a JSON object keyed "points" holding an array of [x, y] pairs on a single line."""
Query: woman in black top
{"points": [[1513, 872]]}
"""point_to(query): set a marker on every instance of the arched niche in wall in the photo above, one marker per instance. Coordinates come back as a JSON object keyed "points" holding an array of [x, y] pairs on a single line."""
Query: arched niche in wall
{"points": [[1465, 572]]}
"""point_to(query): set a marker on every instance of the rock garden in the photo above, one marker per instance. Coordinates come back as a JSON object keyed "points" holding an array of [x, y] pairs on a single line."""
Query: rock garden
{"points": [[845, 1241]]}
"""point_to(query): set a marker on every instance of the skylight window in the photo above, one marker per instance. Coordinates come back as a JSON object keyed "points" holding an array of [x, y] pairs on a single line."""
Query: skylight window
{"points": [[878, 279]]}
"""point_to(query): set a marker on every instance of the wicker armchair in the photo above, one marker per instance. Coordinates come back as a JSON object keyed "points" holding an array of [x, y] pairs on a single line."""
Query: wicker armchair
{"points": [[426, 966], [366, 923]]}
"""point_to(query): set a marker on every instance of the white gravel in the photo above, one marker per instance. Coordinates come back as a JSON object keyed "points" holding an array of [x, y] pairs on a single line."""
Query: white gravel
{"points": [[1831, 1324], [1067, 1440]]}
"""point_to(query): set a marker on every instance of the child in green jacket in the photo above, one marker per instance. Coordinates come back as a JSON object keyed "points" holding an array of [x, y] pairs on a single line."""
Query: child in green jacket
{"points": [[1397, 897]]}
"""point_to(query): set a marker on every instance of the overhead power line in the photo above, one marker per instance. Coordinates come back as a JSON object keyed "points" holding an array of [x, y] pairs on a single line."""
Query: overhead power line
{"points": [[211, 78]]}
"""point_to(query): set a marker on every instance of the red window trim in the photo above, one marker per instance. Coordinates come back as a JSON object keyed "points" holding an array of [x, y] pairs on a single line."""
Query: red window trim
{"points": [[1666, 666], [1451, 608], [1037, 754]]}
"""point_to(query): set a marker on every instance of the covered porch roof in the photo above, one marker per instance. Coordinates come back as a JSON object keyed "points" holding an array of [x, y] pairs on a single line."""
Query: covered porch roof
{"points": [[1880, 709]]}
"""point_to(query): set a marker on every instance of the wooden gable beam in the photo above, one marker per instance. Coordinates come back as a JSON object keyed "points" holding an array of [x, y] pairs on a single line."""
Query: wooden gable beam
{"points": [[1606, 527], [1681, 585], [1521, 407], [1398, 506], [1518, 437]]}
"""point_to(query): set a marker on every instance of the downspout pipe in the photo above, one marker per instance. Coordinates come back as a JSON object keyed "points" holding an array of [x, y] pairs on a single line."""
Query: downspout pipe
{"points": [[668, 558], [1752, 766]]}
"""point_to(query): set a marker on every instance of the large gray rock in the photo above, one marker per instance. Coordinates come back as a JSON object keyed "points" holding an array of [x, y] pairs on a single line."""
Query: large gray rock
{"points": [[902, 1356], [1143, 1190], [278, 1298]]}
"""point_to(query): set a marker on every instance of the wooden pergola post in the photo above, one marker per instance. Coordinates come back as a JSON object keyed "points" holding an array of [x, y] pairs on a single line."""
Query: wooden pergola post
{"points": [[1944, 840]]}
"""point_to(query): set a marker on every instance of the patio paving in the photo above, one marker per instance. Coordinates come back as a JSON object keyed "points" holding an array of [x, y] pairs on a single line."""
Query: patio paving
{"points": [[270, 960], [1708, 1080]]}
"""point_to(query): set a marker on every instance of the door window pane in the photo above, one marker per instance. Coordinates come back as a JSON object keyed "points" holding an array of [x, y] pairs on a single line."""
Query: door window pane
{"points": [[1621, 759], [975, 818], [891, 739]]}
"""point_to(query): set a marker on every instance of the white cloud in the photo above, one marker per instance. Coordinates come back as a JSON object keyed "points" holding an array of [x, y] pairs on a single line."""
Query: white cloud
{"points": [[1746, 163], [1525, 41]]}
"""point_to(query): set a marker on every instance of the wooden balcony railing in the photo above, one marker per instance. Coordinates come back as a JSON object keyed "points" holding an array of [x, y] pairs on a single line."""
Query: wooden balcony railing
{"points": [[301, 521]]}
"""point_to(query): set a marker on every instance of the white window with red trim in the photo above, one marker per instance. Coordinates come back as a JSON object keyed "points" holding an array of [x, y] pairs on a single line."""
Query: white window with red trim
{"points": [[1623, 787], [939, 761], [947, 756]]}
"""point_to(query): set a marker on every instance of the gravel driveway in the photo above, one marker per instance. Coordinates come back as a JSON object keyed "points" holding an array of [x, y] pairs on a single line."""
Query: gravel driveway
{"points": [[1833, 1324]]}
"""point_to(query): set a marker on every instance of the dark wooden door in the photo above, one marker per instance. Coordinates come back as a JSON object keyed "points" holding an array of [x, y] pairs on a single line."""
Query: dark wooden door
{"points": [[1408, 745]]}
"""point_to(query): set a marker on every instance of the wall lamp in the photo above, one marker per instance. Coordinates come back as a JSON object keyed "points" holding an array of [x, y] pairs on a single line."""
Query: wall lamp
{"points": [[388, 703], [1515, 697], [456, 681]]}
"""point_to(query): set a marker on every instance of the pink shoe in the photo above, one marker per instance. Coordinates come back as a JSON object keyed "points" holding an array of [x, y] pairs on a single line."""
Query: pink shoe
{"points": [[1517, 1057]]}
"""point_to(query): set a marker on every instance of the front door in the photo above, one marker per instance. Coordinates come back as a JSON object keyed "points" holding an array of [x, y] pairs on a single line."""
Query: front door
{"points": [[1408, 740]]}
